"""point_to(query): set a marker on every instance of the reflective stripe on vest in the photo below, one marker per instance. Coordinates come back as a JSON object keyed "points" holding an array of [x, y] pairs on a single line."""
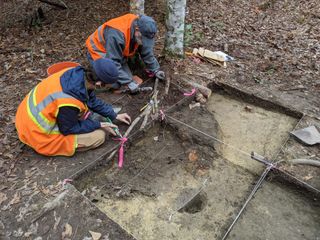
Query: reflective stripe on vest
{"points": [[101, 40], [100, 35], [96, 42], [35, 110], [94, 47]]}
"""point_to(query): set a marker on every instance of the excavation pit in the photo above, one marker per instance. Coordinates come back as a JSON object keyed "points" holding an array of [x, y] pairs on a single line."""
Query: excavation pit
{"points": [[179, 181], [195, 204]]}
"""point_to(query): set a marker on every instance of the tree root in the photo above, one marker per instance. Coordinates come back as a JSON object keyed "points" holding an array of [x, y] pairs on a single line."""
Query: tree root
{"points": [[311, 162]]}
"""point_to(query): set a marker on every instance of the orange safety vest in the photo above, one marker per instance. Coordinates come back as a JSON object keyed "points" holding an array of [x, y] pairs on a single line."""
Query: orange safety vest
{"points": [[36, 118], [96, 43]]}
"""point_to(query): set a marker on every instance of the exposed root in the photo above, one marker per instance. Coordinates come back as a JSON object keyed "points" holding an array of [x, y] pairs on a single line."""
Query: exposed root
{"points": [[311, 162]]}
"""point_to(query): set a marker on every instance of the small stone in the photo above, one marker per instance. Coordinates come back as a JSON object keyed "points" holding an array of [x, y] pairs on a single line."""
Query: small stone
{"points": [[202, 172], [193, 156], [248, 108], [200, 98], [193, 105], [18, 233], [27, 234], [99, 220], [95, 235]]}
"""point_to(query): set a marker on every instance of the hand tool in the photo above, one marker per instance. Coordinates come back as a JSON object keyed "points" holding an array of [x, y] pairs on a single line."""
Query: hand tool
{"points": [[139, 89], [115, 129]]}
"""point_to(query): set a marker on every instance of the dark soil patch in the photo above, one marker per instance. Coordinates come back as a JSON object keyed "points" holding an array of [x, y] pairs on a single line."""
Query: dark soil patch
{"points": [[275, 44], [145, 148]]}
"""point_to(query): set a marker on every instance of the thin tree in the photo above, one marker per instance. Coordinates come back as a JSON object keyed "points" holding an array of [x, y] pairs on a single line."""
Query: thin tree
{"points": [[175, 17], [137, 6]]}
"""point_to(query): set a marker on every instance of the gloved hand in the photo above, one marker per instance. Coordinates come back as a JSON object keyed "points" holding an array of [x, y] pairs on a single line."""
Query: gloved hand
{"points": [[134, 87], [160, 74]]}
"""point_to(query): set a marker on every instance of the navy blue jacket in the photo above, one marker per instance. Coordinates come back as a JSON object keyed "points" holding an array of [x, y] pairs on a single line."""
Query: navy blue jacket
{"points": [[73, 83]]}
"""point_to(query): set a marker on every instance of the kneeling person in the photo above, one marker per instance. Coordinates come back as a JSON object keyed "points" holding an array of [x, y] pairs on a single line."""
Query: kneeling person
{"points": [[121, 38], [53, 117]]}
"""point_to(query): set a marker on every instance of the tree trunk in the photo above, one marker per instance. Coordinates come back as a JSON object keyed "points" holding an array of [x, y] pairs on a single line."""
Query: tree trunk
{"points": [[137, 6], [175, 27]]}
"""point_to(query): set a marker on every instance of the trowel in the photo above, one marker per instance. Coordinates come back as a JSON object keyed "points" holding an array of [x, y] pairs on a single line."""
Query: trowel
{"points": [[309, 136], [116, 109]]}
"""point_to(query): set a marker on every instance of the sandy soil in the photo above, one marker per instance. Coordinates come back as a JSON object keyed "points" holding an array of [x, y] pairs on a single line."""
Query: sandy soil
{"points": [[276, 46]]}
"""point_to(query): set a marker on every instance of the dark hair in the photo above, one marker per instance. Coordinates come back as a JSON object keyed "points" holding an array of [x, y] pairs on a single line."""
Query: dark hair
{"points": [[91, 76]]}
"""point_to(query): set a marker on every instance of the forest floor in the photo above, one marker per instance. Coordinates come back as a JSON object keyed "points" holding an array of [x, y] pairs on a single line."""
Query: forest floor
{"points": [[276, 46]]}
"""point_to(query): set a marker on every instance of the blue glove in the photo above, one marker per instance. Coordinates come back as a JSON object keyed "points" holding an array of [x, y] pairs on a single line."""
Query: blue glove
{"points": [[134, 87], [160, 74]]}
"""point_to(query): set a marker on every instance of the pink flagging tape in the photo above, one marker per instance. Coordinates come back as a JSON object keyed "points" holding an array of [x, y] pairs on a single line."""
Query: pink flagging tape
{"points": [[65, 181], [121, 150], [162, 115], [193, 91], [149, 73]]}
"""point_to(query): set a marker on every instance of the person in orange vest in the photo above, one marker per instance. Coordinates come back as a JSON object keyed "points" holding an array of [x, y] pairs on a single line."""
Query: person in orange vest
{"points": [[54, 118], [120, 38]]}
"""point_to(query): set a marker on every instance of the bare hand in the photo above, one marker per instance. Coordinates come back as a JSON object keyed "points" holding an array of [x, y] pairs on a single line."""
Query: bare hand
{"points": [[109, 127], [124, 117]]}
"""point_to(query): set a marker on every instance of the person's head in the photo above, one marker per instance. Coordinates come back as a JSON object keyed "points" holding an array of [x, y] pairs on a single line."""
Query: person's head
{"points": [[145, 31], [106, 72]]}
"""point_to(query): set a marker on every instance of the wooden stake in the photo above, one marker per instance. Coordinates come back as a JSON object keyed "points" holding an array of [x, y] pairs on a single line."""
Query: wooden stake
{"points": [[204, 90], [167, 86]]}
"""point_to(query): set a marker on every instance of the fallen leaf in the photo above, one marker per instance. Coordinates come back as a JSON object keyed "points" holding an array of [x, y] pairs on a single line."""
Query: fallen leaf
{"points": [[95, 235], [202, 172], [196, 60], [67, 231], [27, 234], [308, 177], [193, 156], [57, 221], [3, 197], [16, 199], [30, 70], [44, 190], [193, 105], [9, 155]]}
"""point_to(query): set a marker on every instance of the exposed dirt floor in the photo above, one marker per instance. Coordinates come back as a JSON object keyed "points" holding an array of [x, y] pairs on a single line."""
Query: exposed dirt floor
{"points": [[179, 184], [196, 186]]}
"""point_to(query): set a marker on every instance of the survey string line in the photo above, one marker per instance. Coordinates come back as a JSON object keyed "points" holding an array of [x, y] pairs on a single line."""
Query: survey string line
{"points": [[263, 175], [258, 184], [209, 136], [272, 163], [108, 151], [101, 156], [139, 173], [252, 193], [298, 180]]}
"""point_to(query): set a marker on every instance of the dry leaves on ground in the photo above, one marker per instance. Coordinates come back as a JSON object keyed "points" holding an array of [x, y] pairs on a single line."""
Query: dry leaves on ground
{"points": [[66, 234]]}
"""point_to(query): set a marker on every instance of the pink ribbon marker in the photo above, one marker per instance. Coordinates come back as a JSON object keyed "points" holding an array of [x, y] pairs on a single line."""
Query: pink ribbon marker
{"points": [[162, 115], [193, 91], [149, 73], [121, 150], [65, 181]]}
